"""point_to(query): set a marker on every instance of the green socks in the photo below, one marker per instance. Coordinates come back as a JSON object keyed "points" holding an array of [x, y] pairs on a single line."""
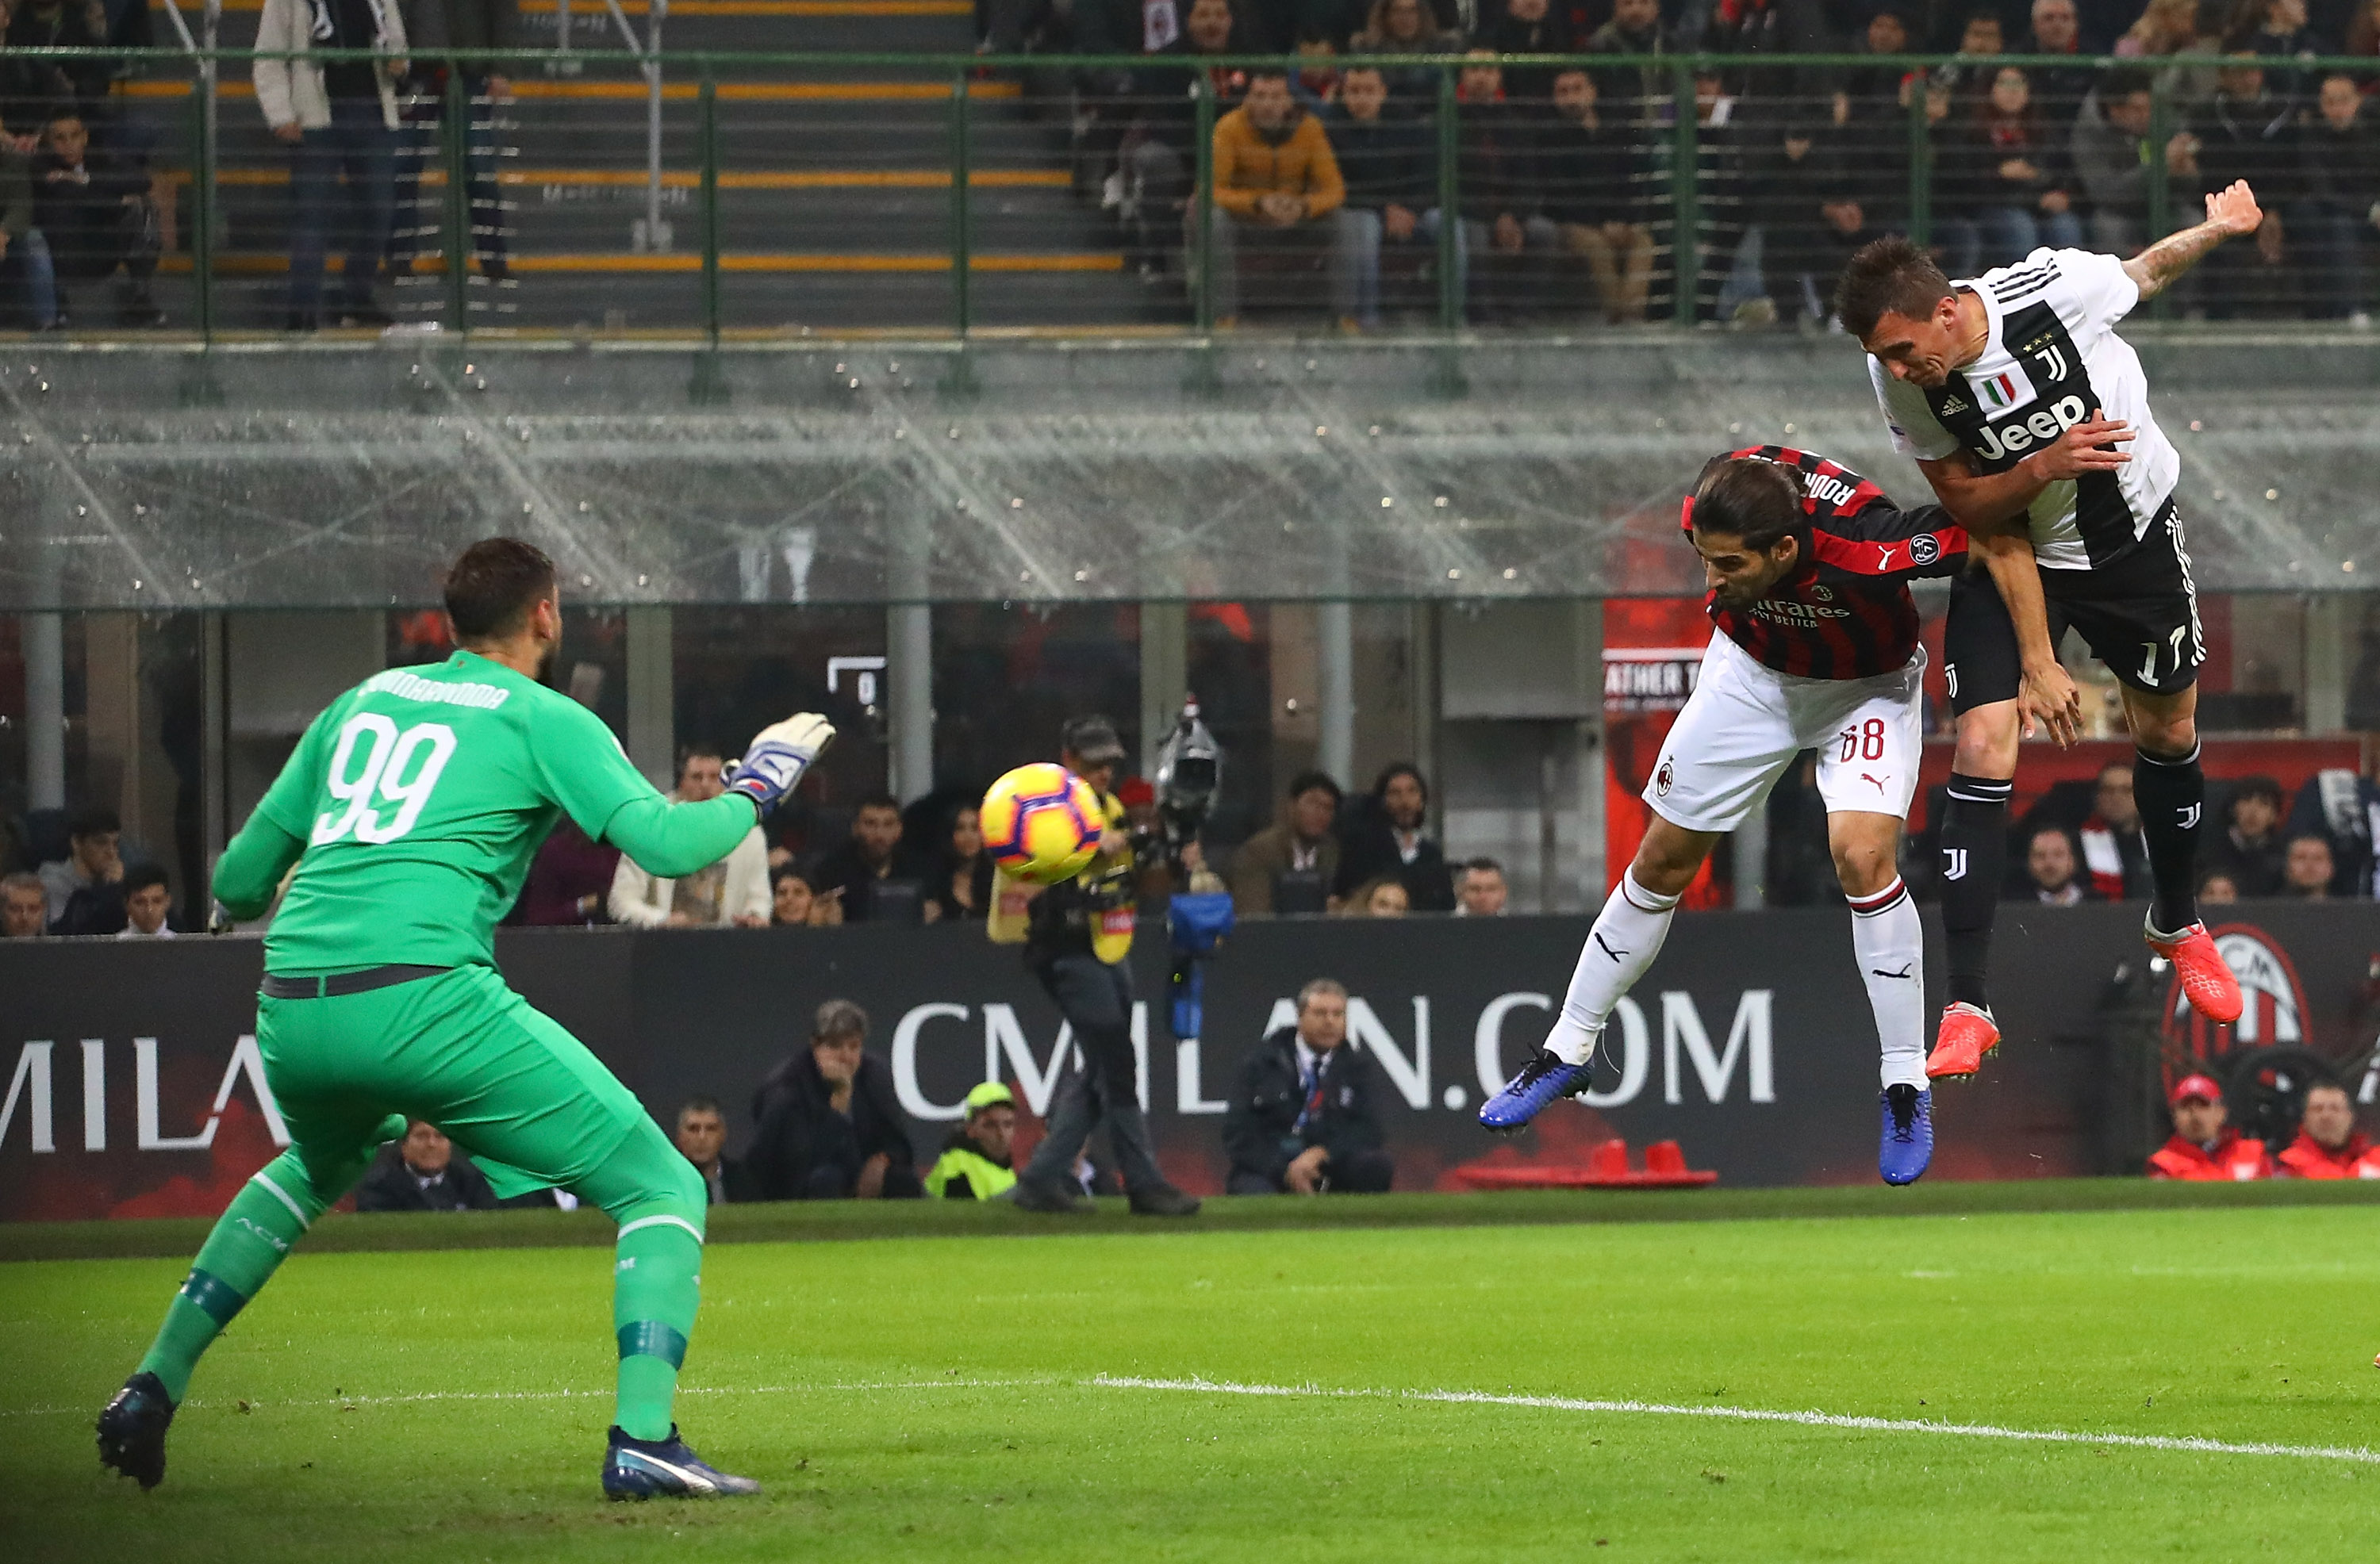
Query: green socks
{"points": [[248, 1242], [655, 1289]]}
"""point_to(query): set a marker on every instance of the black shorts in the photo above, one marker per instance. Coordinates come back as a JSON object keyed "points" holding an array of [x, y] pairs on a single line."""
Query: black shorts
{"points": [[2138, 615]]}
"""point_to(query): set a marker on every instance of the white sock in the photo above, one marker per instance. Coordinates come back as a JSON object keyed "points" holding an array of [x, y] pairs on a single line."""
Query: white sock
{"points": [[1627, 936], [1890, 945]]}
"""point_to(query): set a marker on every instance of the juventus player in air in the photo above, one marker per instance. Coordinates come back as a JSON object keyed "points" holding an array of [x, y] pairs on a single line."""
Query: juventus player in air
{"points": [[2017, 398], [1815, 648]]}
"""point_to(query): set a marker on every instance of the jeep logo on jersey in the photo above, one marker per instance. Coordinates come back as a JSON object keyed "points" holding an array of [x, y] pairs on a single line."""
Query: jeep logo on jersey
{"points": [[2039, 429], [2274, 1013], [1832, 491]]}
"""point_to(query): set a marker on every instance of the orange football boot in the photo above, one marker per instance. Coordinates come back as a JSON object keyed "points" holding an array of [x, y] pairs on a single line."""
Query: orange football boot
{"points": [[2205, 979], [1967, 1035]]}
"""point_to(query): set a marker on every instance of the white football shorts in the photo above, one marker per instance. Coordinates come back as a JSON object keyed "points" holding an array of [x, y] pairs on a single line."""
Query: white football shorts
{"points": [[1745, 725]]}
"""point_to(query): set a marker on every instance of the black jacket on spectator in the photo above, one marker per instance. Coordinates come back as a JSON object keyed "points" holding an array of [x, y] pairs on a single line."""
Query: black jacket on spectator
{"points": [[1495, 161], [1627, 89], [93, 909], [2255, 867], [803, 1144], [2343, 808], [1586, 173], [56, 84], [1257, 1129], [2243, 138], [1549, 34], [1163, 105], [2341, 168], [2057, 90], [1383, 161], [1370, 851], [89, 228], [390, 1185]]}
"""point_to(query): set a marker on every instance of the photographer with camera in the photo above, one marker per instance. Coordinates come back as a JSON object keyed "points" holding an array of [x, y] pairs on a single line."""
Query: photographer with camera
{"points": [[1078, 942]]}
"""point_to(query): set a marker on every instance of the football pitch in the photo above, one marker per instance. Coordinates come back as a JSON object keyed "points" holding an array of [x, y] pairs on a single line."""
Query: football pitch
{"points": [[2193, 1381]]}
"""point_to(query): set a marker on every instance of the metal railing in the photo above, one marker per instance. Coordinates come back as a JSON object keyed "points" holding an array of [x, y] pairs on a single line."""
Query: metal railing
{"points": [[1081, 189]]}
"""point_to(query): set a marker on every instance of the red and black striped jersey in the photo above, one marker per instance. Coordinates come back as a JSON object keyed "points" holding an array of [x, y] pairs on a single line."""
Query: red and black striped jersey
{"points": [[1845, 612]]}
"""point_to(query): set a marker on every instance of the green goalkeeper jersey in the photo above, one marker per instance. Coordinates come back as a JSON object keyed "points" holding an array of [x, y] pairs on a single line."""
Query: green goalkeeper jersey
{"points": [[415, 802]]}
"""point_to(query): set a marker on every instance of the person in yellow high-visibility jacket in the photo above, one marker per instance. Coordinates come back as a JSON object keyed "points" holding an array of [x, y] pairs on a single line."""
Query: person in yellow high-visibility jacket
{"points": [[975, 1164]]}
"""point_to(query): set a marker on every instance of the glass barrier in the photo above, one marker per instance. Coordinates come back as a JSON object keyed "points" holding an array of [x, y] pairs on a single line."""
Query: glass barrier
{"points": [[719, 197]]}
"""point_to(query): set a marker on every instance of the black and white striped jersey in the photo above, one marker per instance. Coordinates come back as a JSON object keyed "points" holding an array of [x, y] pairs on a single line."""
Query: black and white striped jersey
{"points": [[2051, 360]]}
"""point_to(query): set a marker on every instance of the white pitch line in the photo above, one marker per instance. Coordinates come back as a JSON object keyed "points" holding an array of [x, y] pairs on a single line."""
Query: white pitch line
{"points": [[1757, 1414]]}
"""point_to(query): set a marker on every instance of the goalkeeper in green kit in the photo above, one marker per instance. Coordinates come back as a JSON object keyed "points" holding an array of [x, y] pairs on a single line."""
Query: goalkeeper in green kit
{"points": [[411, 809]]}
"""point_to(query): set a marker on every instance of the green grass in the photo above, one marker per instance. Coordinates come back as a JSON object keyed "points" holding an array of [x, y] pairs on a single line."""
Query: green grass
{"points": [[936, 1398]]}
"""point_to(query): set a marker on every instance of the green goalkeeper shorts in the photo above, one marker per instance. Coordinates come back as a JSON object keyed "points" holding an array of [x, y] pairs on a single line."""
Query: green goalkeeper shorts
{"points": [[525, 1099]]}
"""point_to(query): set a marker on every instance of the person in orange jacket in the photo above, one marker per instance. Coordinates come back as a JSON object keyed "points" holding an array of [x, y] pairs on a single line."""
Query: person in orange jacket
{"points": [[2328, 1144], [1274, 171], [2204, 1147]]}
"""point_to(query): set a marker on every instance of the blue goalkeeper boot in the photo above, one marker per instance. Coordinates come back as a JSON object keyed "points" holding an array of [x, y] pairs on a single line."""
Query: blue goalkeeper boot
{"points": [[1907, 1144], [1546, 1077], [664, 1469], [132, 1430]]}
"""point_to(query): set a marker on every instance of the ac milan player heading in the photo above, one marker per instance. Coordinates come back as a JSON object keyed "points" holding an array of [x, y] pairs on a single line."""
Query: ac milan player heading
{"points": [[2016, 395], [1815, 648]]}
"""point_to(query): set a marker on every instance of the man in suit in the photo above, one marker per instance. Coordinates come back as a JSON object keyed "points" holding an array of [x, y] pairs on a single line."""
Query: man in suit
{"points": [[1302, 1119]]}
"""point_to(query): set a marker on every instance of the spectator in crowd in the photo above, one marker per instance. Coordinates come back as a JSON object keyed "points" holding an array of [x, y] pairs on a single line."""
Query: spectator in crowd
{"points": [[1812, 212], [1720, 189], [732, 893], [569, 881], [1875, 90], [2049, 868], [1527, 27], [60, 24], [1586, 169], [1276, 183], [794, 902], [1480, 889], [2166, 27], [2364, 32], [1389, 839], [1980, 38], [960, 885], [977, 1161], [423, 1172], [2239, 133], [2328, 1146], [852, 875], [339, 120], [2336, 216], [2217, 890], [2276, 30], [2012, 174], [1634, 28], [1406, 27], [701, 1136], [1383, 896], [148, 899], [96, 213], [1289, 868], [2204, 1147], [2343, 808], [1303, 1119], [1495, 170], [2109, 150], [830, 1127], [1316, 84], [2057, 90], [21, 907], [29, 283], [2251, 849], [1746, 27], [2306, 868], [88, 880], [1389, 165], [2114, 851], [1159, 149], [457, 24]]}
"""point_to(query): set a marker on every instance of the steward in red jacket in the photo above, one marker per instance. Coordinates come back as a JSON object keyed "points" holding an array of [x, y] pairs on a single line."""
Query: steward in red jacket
{"points": [[2328, 1144], [2203, 1147]]}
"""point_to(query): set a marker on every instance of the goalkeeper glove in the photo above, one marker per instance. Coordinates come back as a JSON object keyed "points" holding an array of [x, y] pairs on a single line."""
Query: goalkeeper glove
{"points": [[777, 757]]}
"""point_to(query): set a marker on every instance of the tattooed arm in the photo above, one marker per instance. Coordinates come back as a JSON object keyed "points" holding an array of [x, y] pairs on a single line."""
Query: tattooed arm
{"points": [[2229, 214]]}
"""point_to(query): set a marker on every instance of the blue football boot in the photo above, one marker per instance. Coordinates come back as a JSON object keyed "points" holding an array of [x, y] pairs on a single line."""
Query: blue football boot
{"points": [[1546, 1077], [1907, 1144], [664, 1469], [132, 1430]]}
